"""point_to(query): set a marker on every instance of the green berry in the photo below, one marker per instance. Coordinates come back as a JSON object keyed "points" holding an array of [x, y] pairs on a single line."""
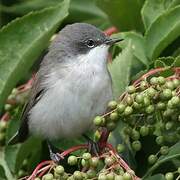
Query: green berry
{"points": [[84, 163], [135, 135], [169, 85], [3, 125], [59, 170], [21, 173], [137, 106], [129, 100], [127, 176], [161, 105], [120, 148], [86, 156], [112, 104], [109, 161], [102, 177], [169, 176], [127, 130], [143, 85], [169, 125], [91, 173], [152, 159], [114, 116], [99, 121], [175, 101], [168, 112], [128, 110], [120, 108], [37, 178], [136, 145], [149, 109], [167, 93], [176, 83], [144, 131], [118, 177], [160, 140], [164, 150], [94, 162], [151, 92], [110, 176], [154, 80], [111, 126], [72, 160], [131, 89], [48, 176], [7, 107], [77, 175], [161, 80], [139, 98], [147, 101]]}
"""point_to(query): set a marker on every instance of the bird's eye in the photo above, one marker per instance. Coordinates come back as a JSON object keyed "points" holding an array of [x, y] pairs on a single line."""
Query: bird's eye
{"points": [[90, 43]]}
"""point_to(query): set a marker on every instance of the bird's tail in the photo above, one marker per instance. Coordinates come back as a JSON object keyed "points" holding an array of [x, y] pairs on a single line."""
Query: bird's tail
{"points": [[14, 139]]}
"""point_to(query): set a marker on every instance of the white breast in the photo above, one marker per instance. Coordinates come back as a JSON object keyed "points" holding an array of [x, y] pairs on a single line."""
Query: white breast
{"points": [[70, 104]]}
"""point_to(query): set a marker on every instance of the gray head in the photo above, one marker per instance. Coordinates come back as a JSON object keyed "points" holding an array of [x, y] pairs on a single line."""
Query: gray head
{"points": [[79, 38]]}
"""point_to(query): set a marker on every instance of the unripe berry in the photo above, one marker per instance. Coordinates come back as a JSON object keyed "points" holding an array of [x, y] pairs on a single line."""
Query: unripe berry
{"points": [[120, 108], [129, 100], [136, 145], [114, 116], [154, 80], [91, 173], [131, 89], [175, 101], [59, 170], [139, 98], [161, 105], [167, 93], [160, 140], [176, 83], [152, 159], [3, 125], [120, 148], [77, 175], [164, 150], [151, 92], [127, 176], [169, 176], [84, 163], [128, 110], [72, 160], [161, 80], [137, 106], [118, 177], [111, 126], [147, 101], [135, 135], [169, 85], [109, 161], [144, 131], [86, 156], [149, 109], [112, 104], [110, 176], [94, 162], [143, 85], [48, 176], [169, 125], [102, 177], [98, 121]]}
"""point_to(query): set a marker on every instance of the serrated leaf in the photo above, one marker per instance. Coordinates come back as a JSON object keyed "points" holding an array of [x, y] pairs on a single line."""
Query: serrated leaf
{"points": [[120, 70], [124, 14], [22, 41], [164, 30], [152, 9], [174, 153]]}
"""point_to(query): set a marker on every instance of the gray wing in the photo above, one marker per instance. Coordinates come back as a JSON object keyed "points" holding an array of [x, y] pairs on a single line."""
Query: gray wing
{"points": [[36, 93]]}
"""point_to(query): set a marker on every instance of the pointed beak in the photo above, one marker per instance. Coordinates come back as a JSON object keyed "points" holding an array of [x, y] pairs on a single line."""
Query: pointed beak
{"points": [[112, 41]]}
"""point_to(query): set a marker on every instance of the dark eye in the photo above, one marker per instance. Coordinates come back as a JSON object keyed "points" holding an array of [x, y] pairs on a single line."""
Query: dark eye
{"points": [[90, 43]]}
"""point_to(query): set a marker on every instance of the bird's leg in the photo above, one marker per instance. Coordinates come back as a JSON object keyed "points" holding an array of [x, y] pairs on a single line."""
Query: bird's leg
{"points": [[54, 155], [93, 146]]}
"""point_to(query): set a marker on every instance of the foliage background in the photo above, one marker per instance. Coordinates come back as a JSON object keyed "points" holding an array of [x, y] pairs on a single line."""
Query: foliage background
{"points": [[151, 30]]}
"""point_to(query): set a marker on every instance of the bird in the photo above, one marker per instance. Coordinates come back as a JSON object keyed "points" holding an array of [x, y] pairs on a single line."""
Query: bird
{"points": [[71, 87]]}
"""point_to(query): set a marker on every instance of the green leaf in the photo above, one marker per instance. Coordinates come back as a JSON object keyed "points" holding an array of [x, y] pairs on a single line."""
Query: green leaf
{"points": [[156, 177], [138, 45], [177, 61], [2, 173], [120, 70], [124, 14], [152, 9], [174, 153], [163, 31], [22, 41]]}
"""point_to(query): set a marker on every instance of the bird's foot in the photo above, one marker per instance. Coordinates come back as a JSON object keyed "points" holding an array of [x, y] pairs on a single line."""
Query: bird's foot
{"points": [[56, 157]]}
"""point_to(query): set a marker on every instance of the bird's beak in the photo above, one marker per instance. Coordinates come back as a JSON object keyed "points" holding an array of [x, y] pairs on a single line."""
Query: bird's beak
{"points": [[112, 41]]}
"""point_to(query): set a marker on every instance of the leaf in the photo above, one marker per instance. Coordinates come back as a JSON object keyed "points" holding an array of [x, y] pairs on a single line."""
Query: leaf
{"points": [[152, 9], [22, 41], [124, 14], [164, 30], [177, 61], [156, 177], [174, 153], [2, 173], [138, 44], [120, 70]]}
